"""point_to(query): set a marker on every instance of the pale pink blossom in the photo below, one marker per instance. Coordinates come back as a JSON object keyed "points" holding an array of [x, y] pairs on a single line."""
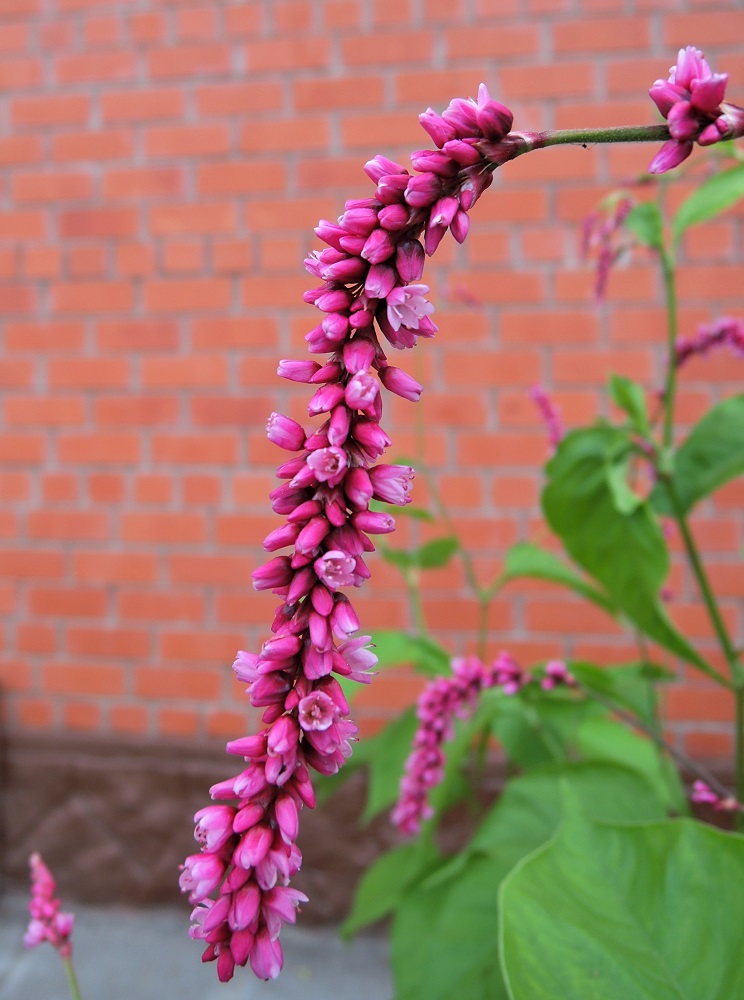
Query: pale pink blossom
{"points": [[48, 922]]}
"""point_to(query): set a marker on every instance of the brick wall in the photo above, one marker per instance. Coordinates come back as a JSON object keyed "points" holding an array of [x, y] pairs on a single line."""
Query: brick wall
{"points": [[163, 164]]}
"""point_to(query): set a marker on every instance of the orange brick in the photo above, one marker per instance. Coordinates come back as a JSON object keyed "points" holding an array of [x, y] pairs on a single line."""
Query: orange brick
{"points": [[163, 528], [189, 60], [178, 721], [251, 98], [32, 563], [147, 27], [172, 606], [346, 92], [142, 105], [208, 449], [51, 109], [196, 23], [188, 140], [88, 373], [99, 448], [105, 487], [22, 225], [100, 145], [61, 678], [184, 257], [72, 602], [112, 223], [232, 332], [102, 32], [202, 489], [487, 42], [55, 410], [275, 137], [51, 187], [137, 335], [113, 643], [241, 178], [602, 34], [117, 567], [68, 525], [129, 719], [86, 261], [206, 217], [278, 54], [94, 67], [184, 372], [143, 182], [153, 489], [177, 685], [184, 296]]}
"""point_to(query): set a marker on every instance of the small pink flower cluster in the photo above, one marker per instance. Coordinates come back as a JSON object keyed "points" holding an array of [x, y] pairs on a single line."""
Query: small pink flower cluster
{"points": [[603, 231], [724, 332], [370, 272], [692, 102], [703, 794], [550, 415], [440, 703], [557, 674], [47, 922]]}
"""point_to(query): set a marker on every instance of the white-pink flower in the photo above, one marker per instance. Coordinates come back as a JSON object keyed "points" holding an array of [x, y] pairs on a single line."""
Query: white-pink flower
{"points": [[407, 305]]}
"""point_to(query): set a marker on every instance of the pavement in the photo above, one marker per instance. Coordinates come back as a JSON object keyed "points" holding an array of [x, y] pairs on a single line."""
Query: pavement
{"points": [[123, 953]]}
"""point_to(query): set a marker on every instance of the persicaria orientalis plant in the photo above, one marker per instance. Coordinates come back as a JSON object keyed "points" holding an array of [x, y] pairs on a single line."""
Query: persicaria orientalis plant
{"points": [[370, 297]]}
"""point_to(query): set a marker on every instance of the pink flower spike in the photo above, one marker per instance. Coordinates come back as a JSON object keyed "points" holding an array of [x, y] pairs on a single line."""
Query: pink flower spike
{"points": [[407, 305], [328, 464], [317, 711], [47, 922]]}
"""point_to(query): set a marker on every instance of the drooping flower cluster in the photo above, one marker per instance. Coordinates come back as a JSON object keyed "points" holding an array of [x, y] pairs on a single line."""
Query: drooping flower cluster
{"points": [[48, 922], [370, 273], [703, 794], [550, 414], [692, 102], [724, 332], [603, 233], [440, 703]]}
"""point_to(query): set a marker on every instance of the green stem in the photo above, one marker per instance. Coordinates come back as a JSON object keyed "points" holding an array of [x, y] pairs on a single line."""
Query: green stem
{"points": [[687, 762], [589, 136], [703, 583], [71, 979], [670, 294], [414, 601], [740, 753], [481, 595]]}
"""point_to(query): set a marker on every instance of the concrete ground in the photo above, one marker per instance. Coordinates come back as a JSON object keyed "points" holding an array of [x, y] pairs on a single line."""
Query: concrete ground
{"points": [[125, 954]]}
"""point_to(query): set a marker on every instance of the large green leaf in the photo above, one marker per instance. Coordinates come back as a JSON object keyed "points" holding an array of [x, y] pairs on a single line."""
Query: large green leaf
{"points": [[444, 941], [623, 550], [444, 933], [386, 881], [711, 455], [531, 807], [608, 740], [715, 195], [527, 560], [651, 911], [431, 555]]}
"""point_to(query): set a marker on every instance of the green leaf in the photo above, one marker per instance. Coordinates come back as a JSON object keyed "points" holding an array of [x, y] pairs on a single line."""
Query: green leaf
{"points": [[527, 560], [531, 807], [645, 222], [385, 883], [712, 455], [385, 756], [631, 399], [401, 558], [444, 938], [409, 510], [615, 742], [641, 912], [715, 195], [624, 498], [624, 551], [444, 929], [393, 647], [628, 686], [437, 552]]}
